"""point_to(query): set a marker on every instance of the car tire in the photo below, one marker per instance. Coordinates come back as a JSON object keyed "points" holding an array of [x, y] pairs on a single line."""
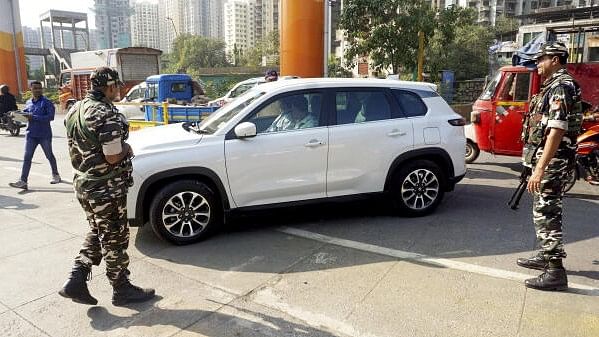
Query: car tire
{"points": [[418, 188], [472, 152], [185, 212]]}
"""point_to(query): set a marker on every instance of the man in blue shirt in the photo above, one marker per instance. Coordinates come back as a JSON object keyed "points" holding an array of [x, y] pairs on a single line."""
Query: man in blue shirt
{"points": [[40, 112]]}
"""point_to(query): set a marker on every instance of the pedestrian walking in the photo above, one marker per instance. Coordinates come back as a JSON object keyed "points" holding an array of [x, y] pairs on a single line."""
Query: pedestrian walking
{"points": [[549, 133], [40, 112], [101, 159]]}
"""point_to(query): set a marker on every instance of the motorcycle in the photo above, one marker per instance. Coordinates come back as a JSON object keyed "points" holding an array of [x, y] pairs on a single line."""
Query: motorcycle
{"points": [[11, 124], [587, 158]]}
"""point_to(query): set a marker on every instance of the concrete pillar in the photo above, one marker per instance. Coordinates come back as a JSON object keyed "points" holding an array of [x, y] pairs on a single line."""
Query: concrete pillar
{"points": [[12, 50], [302, 37]]}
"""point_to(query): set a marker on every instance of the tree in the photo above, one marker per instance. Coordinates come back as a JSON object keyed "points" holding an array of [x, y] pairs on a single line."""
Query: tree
{"points": [[191, 52], [268, 48], [386, 30], [458, 38]]}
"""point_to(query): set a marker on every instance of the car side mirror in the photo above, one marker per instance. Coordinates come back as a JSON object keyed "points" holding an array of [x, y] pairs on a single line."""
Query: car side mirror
{"points": [[245, 130]]}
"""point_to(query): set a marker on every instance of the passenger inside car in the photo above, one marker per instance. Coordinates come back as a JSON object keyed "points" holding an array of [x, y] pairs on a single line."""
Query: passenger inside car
{"points": [[295, 115]]}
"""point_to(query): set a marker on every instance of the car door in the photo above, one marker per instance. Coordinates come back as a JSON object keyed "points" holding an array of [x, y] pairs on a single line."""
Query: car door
{"points": [[367, 134], [284, 162]]}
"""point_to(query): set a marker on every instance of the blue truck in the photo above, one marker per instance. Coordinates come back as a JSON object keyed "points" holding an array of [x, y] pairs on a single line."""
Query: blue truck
{"points": [[181, 93]]}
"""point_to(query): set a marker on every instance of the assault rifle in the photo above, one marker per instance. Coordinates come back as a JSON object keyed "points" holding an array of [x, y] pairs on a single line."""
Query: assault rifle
{"points": [[515, 199]]}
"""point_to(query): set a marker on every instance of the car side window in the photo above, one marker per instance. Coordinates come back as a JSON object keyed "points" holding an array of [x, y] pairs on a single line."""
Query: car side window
{"points": [[410, 103], [361, 106], [287, 113], [241, 89]]}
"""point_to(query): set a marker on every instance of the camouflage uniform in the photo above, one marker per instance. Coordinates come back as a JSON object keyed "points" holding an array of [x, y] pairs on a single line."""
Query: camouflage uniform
{"points": [[558, 105], [101, 188]]}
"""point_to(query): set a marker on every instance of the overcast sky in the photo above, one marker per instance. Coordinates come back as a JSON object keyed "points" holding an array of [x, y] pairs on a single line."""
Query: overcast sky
{"points": [[31, 9]]}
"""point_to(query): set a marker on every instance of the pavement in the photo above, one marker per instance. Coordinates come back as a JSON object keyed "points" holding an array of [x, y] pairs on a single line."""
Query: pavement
{"points": [[341, 269]]}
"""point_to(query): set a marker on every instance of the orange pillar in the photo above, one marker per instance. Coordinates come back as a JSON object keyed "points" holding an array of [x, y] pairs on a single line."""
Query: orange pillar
{"points": [[302, 39], [12, 52]]}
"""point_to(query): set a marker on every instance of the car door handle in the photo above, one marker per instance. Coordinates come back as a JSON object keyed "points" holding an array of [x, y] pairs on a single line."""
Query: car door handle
{"points": [[314, 143], [396, 132]]}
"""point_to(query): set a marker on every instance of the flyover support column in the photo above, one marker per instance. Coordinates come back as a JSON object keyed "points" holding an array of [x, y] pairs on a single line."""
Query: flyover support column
{"points": [[12, 50], [302, 37]]}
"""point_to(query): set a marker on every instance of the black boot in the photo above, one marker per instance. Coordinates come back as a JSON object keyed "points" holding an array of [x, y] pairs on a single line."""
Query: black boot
{"points": [[551, 279], [534, 262], [75, 287], [124, 292]]}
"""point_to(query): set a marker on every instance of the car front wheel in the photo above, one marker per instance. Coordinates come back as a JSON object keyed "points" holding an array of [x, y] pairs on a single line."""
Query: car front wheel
{"points": [[185, 211], [418, 188]]}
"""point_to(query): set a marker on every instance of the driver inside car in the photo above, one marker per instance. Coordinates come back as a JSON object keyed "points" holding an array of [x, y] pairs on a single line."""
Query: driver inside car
{"points": [[294, 115]]}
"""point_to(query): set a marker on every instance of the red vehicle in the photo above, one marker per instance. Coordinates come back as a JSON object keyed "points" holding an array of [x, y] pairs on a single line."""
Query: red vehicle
{"points": [[497, 114]]}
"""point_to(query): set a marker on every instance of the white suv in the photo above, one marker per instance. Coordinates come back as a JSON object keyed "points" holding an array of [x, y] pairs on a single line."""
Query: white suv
{"points": [[295, 141]]}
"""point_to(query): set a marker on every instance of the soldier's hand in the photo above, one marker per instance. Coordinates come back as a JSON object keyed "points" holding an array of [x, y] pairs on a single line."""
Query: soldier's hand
{"points": [[534, 182], [130, 151]]}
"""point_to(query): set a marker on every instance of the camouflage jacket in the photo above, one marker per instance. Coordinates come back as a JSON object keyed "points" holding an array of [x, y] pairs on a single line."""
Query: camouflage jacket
{"points": [[557, 105], [95, 178]]}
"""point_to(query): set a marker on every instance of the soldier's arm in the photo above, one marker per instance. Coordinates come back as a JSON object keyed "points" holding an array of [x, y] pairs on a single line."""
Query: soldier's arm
{"points": [[110, 136]]}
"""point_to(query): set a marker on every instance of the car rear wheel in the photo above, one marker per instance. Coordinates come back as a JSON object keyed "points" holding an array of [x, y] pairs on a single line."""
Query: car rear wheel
{"points": [[185, 211], [472, 152], [418, 188]]}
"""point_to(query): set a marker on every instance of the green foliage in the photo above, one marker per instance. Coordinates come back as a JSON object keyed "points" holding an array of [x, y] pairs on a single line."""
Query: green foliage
{"points": [[267, 47], [386, 30], [458, 38], [336, 69], [191, 52]]}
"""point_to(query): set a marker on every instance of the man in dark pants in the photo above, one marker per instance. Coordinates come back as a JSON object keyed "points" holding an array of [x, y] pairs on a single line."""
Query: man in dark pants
{"points": [[550, 130], [101, 159], [39, 132]]}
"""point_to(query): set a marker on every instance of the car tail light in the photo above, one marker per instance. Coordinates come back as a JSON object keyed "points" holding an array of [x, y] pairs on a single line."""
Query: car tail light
{"points": [[457, 122]]}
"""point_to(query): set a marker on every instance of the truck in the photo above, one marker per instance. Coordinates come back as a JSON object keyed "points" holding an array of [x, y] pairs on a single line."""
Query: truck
{"points": [[134, 65], [496, 117], [172, 98]]}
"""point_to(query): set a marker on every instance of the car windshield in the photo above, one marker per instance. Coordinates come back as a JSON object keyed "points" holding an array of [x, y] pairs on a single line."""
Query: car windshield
{"points": [[490, 89], [220, 118]]}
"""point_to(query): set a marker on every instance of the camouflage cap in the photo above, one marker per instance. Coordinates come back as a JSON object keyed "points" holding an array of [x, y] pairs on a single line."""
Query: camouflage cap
{"points": [[104, 76], [553, 48]]}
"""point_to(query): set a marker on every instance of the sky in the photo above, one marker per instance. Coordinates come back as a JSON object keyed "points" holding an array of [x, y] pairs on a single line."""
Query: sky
{"points": [[31, 9]]}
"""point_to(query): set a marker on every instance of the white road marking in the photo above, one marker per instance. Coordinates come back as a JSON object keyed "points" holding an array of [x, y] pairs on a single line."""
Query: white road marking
{"points": [[447, 263]]}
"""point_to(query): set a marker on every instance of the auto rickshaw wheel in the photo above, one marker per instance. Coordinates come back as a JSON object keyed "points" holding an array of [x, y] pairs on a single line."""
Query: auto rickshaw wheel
{"points": [[571, 178], [472, 151]]}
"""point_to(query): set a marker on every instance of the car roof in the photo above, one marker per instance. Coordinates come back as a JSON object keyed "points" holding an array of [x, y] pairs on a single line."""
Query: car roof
{"points": [[347, 82]]}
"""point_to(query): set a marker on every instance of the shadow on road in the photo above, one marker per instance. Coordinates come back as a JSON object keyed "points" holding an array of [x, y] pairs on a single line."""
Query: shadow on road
{"points": [[208, 323], [12, 203]]}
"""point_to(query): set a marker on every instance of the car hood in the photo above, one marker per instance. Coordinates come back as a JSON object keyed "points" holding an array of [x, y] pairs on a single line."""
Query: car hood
{"points": [[162, 138]]}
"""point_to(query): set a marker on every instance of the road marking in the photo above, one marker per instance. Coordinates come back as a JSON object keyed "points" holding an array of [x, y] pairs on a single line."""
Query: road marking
{"points": [[447, 263]]}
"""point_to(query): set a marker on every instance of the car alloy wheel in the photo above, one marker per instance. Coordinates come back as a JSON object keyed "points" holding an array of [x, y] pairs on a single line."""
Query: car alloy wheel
{"points": [[420, 189], [186, 214]]}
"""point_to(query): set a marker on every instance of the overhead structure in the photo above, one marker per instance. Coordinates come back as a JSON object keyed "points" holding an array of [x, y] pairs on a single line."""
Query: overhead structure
{"points": [[12, 54], [302, 37]]}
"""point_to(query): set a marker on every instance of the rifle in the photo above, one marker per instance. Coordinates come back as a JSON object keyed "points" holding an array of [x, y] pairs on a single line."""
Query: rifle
{"points": [[515, 199]]}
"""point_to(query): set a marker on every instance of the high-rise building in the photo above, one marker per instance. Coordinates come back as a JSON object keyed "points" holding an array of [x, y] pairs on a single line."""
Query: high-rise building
{"points": [[144, 29], [31, 38], [267, 17], [195, 17], [240, 26], [112, 23]]}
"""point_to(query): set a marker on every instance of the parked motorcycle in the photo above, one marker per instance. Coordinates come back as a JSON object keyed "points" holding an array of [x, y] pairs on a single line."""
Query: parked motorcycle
{"points": [[587, 158], [9, 123]]}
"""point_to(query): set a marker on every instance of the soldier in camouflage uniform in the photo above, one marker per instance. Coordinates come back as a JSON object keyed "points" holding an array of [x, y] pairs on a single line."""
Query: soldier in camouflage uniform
{"points": [[549, 133], [102, 164]]}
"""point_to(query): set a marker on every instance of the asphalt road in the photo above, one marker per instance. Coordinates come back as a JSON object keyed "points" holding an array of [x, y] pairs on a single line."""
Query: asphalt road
{"points": [[342, 269]]}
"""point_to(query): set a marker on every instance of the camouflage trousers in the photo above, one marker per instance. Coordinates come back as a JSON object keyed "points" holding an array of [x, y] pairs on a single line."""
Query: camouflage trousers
{"points": [[547, 210], [108, 237]]}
